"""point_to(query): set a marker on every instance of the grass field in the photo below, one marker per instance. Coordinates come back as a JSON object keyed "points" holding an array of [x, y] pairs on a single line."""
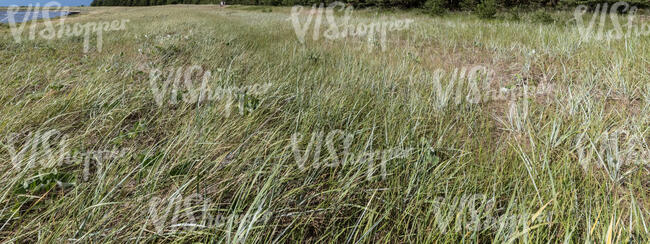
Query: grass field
{"points": [[568, 164]]}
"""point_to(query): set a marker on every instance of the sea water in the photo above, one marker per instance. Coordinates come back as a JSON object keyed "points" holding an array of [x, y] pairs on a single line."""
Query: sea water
{"points": [[23, 16]]}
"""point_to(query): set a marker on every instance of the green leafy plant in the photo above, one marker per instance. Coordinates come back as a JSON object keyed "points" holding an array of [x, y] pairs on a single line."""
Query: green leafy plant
{"points": [[248, 103], [468, 4], [513, 14], [487, 9], [435, 7], [44, 182], [541, 16]]}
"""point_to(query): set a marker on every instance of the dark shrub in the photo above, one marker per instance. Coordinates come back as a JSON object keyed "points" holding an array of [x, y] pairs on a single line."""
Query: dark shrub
{"points": [[435, 7], [513, 14], [468, 4], [486, 9], [541, 16]]}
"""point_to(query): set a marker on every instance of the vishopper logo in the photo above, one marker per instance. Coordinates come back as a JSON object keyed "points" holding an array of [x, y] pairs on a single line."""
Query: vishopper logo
{"points": [[477, 212], [192, 85], [47, 148], [613, 151], [598, 30], [51, 148], [50, 31], [340, 30], [179, 213], [474, 85], [336, 159]]}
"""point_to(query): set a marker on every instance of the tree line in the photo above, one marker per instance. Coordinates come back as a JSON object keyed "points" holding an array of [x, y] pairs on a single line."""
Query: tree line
{"points": [[443, 4]]}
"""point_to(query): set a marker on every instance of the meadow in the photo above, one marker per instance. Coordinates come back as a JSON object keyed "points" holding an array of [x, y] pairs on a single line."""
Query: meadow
{"points": [[355, 139]]}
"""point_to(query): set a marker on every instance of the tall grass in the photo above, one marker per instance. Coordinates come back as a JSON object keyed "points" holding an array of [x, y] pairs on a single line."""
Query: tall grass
{"points": [[522, 155]]}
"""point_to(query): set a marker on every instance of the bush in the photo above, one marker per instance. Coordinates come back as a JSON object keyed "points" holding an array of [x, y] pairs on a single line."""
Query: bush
{"points": [[468, 4], [541, 16], [435, 7], [513, 14], [487, 9]]}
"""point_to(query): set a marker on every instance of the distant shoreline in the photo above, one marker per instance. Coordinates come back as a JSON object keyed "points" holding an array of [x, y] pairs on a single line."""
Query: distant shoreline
{"points": [[77, 8], [69, 13]]}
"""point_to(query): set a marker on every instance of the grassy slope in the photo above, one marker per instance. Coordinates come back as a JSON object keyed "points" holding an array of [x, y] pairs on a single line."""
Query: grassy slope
{"points": [[103, 99]]}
